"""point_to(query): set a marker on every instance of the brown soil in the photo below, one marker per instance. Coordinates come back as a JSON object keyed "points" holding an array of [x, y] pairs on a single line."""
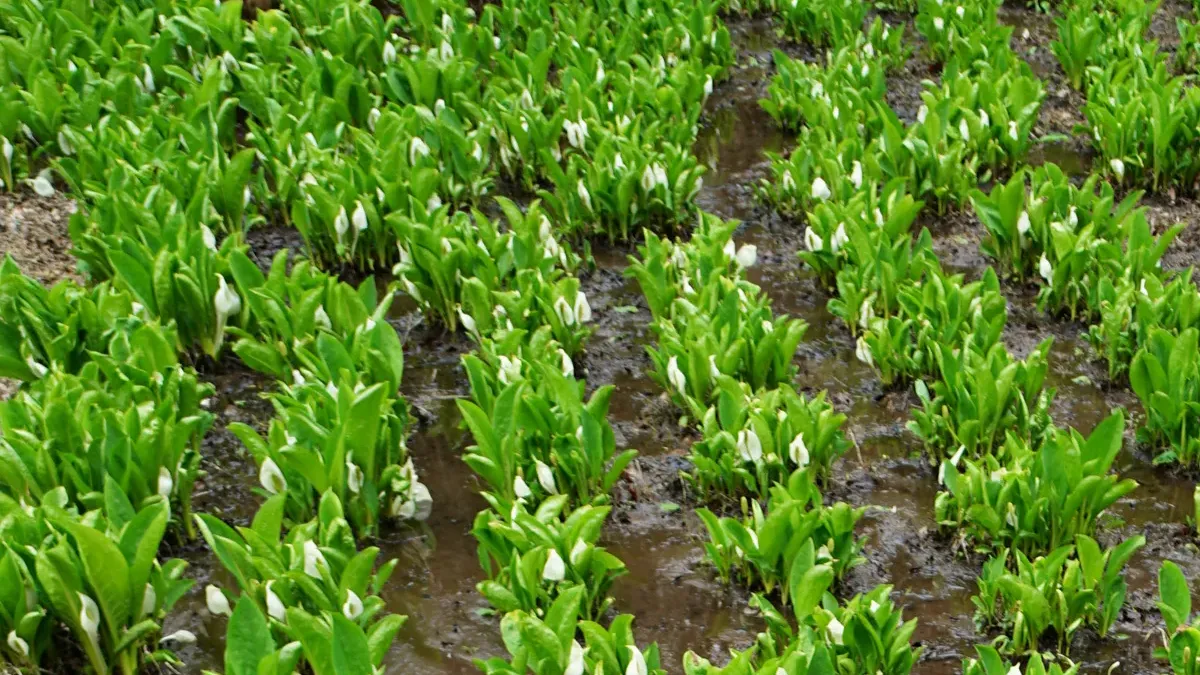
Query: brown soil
{"points": [[33, 230]]}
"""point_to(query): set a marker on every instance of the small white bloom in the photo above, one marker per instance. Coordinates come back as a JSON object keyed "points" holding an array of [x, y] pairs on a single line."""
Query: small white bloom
{"points": [[564, 311], [583, 310], [839, 238], [798, 451], [863, 352], [321, 318], [747, 255], [964, 130], [648, 181], [675, 376], [575, 664], [984, 120], [812, 240], [555, 569], [1015, 670], [1046, 269], [1072, 218], [1023, 225], [446, 51], [183, 637], [856, 177], [353, 607], [354, 477], [521, 488], [165, 482], [836, 629], [959, 11], [216, 601], [6, 149], [42, 185], [820, 189], [341, 223], [637, 663], [584, 196], [618, 163], [789, 183], [922, 113], [417, 148], [1117, 165], [89, 619], [275, 607], [64, 143], [20, 646], [360, 217], [271, 477], [509, 370], [749, 446], [389, 53], [568, 366], [467, 321], [314, 560], [866, 313], [938, 24], [713, 371], [577, 551], [1012, 130], [708, 86], [545, 476]]}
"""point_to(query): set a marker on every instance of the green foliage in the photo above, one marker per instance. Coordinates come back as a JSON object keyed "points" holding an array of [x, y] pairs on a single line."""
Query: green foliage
{"points": [[311, 585], [979, 396], [1165, 376], [990, 663], [798, 545], [346, 435], [753, 441], [95, 576], [1182, 640], [531, 559], [550, 644], [1074, 586], [1034, 499]]}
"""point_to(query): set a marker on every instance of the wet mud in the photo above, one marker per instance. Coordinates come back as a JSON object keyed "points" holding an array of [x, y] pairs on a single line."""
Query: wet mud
{"points": [[669, 588]]}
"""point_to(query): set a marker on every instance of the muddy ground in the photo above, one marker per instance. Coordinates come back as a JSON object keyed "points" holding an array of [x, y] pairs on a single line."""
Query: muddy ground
{"points": [[669, 589]]}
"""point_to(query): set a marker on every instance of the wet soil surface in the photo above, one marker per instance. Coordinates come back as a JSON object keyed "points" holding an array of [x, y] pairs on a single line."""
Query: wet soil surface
{"points": [[670, 590], [33, 230]]}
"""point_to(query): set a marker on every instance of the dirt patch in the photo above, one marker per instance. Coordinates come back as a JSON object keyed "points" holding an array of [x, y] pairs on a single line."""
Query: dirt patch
{"points": [[33, 230], [266, 242]]}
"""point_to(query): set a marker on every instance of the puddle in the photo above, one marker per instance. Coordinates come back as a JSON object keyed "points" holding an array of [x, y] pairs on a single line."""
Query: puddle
{"points": [[1073, 158]]}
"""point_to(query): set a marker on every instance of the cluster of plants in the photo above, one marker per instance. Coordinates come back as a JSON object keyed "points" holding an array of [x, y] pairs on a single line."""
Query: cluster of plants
{"points": [[1034, 497], [1071, 587], [867, 633], [1142, 115]]}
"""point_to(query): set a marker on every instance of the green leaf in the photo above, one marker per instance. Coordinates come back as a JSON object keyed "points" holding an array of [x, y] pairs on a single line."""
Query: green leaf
{"points": [[247, 638], [351, 653], [107, 573], [1175, 599]]}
